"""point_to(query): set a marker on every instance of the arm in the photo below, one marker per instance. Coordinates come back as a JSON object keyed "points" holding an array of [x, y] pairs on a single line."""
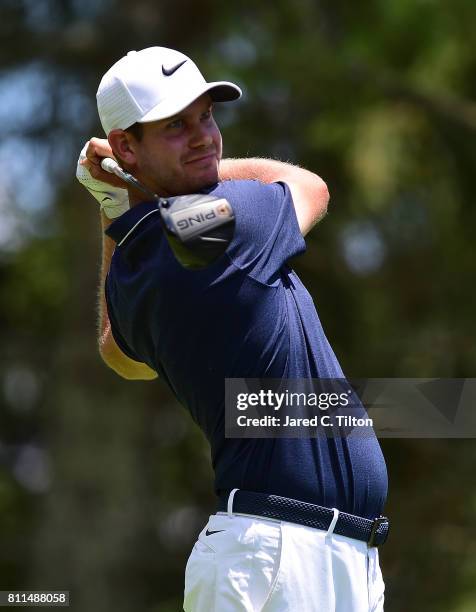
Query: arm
{"points": [[309, 191], [108, 349], [91, 175]]}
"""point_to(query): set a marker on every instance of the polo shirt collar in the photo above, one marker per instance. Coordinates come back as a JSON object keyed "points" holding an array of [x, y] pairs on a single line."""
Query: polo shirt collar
{"points": [[121, 226]]}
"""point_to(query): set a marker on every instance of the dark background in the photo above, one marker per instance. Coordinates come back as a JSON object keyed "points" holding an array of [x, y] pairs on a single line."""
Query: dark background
{"points": [[105, 483]]}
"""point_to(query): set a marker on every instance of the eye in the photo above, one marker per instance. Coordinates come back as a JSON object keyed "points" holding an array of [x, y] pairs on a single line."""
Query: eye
{"points": [[175, 125], [207, 115]]}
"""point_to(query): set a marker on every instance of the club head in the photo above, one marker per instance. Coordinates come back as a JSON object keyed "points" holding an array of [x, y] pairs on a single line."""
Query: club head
{"points": [[199, 228]]}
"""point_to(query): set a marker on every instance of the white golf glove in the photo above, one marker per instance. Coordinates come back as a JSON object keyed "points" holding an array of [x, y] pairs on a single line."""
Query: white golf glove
{"points": [[113, 200]]}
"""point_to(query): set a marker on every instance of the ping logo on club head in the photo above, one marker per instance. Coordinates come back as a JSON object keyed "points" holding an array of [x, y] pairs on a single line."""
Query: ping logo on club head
{"points": [[197, 219]]}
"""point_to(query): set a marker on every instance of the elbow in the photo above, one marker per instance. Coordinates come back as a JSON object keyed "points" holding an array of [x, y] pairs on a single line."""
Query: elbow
{"points": [[127, 371], [321, 199], [109, 360], [124, 367], [324, 194]]}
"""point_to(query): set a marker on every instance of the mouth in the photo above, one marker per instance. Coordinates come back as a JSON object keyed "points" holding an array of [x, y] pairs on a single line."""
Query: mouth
{"points": [[203, 158]]}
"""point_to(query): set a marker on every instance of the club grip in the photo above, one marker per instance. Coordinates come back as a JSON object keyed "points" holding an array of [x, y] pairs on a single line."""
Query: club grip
{"points": [[110, 165]]}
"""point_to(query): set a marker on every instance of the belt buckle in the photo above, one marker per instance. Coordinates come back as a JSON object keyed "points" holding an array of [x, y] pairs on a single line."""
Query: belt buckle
{"points": [[373, 532]]}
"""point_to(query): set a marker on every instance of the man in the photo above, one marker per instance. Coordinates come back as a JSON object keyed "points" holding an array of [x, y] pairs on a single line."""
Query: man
{"points": [[245, 315]]}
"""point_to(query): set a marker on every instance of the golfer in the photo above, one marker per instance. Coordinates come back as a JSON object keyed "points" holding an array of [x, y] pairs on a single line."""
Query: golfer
{"points": [[298, 521]]}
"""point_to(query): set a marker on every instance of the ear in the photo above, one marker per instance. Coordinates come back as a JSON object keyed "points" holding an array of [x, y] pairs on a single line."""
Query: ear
{"points": [[122, 147]]}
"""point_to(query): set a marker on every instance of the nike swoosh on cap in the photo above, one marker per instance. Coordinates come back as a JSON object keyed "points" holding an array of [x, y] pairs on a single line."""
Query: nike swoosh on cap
{"points": [[212, 532], [170, 71]]}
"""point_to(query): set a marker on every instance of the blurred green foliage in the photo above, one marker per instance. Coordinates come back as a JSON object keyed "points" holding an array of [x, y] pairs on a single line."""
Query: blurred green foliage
{"points": [[105, 483]]}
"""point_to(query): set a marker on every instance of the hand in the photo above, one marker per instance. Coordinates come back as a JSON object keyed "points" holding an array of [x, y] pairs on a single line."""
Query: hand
{"points": [[108, 189]]}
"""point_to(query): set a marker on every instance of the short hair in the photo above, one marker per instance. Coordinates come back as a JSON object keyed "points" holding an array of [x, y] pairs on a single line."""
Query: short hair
{"points": [[137, 130]]}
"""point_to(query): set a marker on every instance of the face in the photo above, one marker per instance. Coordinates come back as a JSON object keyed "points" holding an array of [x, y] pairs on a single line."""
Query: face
{"points": [[180, 154]]}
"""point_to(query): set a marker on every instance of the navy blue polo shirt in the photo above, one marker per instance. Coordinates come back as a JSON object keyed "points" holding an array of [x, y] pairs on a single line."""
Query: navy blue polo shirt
{"points": [[246, 315]]}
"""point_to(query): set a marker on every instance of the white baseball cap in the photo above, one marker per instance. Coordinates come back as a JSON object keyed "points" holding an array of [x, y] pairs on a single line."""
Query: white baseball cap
{"points": [[153, 84]]}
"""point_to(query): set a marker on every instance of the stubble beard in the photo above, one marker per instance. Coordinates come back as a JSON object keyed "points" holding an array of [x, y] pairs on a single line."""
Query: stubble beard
{"points": [[182, 183], [192, 184]]}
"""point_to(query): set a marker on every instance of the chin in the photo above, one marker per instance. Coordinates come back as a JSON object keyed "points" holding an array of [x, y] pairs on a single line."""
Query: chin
{"points": [[192, 187], [207, 180]]}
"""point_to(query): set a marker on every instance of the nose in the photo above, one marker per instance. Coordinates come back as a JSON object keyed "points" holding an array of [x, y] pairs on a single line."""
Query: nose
{"points": [[200, 137]]}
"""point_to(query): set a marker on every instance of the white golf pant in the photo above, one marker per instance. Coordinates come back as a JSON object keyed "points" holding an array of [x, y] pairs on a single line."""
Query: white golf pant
{"points": [[250, 564]]}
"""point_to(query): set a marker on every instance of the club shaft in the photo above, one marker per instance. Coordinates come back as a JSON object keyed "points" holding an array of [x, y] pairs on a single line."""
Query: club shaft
{"points": [[128, 178]]}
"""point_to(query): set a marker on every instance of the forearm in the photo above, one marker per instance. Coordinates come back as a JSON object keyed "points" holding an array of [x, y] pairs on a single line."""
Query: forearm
{"points": [[265, 170], [104, 326], [108, 349], [309, 191]]}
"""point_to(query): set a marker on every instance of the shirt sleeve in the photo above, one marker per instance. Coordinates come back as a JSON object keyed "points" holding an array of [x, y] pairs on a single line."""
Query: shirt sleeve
{"points": [[267, 232], [121, 343]]}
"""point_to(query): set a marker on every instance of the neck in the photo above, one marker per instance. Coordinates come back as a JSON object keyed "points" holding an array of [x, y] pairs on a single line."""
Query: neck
{"points": [[136, 196]]}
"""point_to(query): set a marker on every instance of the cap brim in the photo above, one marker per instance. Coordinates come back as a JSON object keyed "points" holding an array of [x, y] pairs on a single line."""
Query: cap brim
{"points": [[220, 91]]}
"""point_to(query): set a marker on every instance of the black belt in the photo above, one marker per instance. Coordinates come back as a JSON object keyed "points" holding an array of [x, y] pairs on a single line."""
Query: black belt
{"points": [[293, 511]]}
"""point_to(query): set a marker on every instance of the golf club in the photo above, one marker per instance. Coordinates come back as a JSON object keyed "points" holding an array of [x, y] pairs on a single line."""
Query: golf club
{"points": [[198, 227]]}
